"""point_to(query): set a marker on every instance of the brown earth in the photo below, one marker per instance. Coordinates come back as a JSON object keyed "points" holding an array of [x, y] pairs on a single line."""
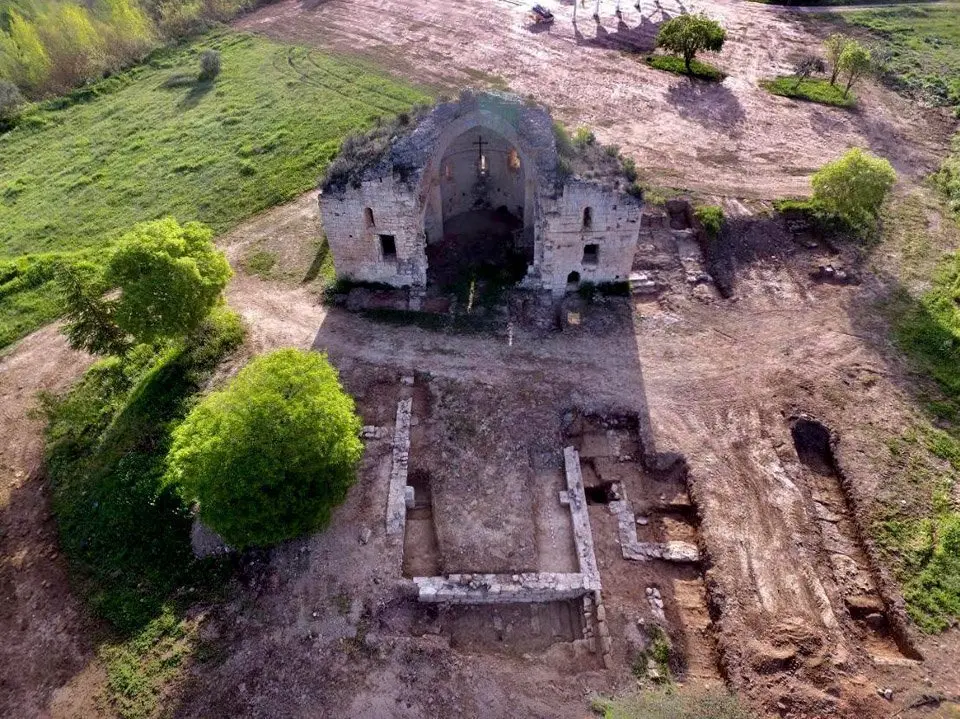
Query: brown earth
{"points": [[326, 625], [731, 138], [47, 639]]}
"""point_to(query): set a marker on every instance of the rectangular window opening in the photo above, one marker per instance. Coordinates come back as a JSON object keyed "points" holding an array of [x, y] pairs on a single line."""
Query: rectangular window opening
{"points": [[388, 247], [591, 254]]}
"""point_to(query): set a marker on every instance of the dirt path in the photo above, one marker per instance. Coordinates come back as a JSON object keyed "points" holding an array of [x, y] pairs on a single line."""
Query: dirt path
{"points": [[731, 138], [46, 652]]}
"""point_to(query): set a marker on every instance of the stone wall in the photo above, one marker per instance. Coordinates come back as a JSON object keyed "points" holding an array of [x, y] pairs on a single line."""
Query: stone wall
{"points": [[614, 226], [430, 173], [501, 588], [460, 190], [396, 494], [355, 241]]}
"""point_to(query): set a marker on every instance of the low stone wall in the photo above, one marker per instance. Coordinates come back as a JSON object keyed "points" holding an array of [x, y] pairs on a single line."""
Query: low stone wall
{"points": [[642, 551], [582, 536], [396, 496], [501, 588]]}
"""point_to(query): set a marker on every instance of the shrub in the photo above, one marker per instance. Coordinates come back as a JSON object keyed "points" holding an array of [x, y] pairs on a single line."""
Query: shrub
{"points": [[10, 102], [686, 35], [269, 457], [711, 217], [170, 277], [209, 65], [854, 187], [584, 137]]}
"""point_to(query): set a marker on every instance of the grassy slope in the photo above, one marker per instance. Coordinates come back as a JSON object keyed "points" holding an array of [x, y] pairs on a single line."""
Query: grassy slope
{"points": [[126, 535], [923, 43], [76, 177]]}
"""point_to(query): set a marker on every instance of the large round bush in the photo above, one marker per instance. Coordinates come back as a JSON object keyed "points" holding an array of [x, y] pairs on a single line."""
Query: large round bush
{"points": [[270, 456], [170, 277]]}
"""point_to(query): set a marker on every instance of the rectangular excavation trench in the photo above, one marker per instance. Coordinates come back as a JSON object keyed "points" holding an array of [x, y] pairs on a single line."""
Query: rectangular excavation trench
{"points": [[853, 571], [646, 537], [515, 611]]}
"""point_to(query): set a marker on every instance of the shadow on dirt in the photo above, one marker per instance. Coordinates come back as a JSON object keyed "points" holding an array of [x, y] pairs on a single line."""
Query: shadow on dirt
{"points": [[709, 104]]}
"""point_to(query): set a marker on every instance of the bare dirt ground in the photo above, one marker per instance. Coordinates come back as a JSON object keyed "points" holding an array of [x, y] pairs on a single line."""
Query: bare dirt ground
{"points": [[732, 138], [327, 626], [720, 381], [46, 637]]}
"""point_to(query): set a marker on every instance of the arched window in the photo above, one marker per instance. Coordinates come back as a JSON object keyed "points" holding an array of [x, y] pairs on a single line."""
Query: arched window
{"points": [[368, 217], [587, 218], [447, 174], [513, 160], [482, 166], [573, 278]]}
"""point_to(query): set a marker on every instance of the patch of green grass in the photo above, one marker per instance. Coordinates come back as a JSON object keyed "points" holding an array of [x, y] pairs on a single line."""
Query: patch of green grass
{"points": [[259, 263], [813, 90], [672, 702], [948, 178], [919, 529], [921, 45], [142, 667], [699, 70], [78, 171]]}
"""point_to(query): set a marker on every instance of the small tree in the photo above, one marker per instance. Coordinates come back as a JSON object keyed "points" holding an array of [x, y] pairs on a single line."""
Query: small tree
{"points": [[834, 47], [170, 277], [89, 323], [10, 101], [269, 457], [854, 187], [209, 65], [686, 35], [856, 61], [807, 66]]}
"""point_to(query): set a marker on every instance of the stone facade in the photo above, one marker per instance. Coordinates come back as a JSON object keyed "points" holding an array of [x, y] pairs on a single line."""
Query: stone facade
{"points": [[484, 150]]}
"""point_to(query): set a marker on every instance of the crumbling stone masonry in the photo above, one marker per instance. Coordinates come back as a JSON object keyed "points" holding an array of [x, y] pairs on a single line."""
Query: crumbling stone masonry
{"points": [[529, 586], [391, 193], [397, 493]]}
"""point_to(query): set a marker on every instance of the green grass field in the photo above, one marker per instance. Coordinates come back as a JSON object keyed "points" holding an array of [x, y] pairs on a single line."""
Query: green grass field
{"points": [[922, 48], [812, 90], [152, 142]]}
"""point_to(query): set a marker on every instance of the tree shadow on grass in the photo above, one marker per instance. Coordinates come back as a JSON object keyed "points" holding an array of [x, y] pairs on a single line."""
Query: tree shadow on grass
{"points": [[197, 93], [709, 104]]}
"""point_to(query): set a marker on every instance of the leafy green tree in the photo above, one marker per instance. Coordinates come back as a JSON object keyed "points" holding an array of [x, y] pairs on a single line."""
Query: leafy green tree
{"points": [[89, 323], [834, 47], [856, 61], [854, 187], [269, 457], [686, 35], [23, 57], [76, 50], [170, 277], [128, 30]]}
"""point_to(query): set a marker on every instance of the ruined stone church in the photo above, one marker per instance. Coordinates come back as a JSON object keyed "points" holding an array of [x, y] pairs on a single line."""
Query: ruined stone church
{"points": [[484, 178]]}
